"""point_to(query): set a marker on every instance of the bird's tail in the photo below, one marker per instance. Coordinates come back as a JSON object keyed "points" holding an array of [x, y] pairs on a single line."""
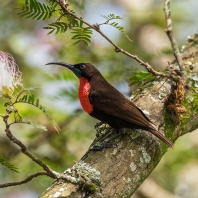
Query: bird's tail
{"points": [[161, 137]]}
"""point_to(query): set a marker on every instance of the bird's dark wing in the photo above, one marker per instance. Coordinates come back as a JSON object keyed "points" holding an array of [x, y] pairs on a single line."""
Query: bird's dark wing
{"points": [[109, 100]]}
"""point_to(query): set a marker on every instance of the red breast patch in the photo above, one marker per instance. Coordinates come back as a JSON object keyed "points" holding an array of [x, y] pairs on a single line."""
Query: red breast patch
{"points": [[83, 94]]}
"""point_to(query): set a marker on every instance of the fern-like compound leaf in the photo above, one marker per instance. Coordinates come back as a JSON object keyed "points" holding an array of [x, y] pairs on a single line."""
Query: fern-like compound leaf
{"points": [[115, 24], [35, 10], [4, 162], [29, 99], [81, 34], [57, 27]]}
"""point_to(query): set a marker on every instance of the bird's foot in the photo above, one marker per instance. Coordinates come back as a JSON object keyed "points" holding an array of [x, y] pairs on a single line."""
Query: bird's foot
{"points": [[102, 142], [107, 141], [98, 146], [102, 129], [103, 146], [99, 124]]}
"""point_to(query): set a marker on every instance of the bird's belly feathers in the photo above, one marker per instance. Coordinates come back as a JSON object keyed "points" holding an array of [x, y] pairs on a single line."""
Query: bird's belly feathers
{"points": [[83, 94]]}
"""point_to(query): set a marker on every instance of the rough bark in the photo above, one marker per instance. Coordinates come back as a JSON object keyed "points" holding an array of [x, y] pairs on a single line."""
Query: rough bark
{"points": [[123, 168]]}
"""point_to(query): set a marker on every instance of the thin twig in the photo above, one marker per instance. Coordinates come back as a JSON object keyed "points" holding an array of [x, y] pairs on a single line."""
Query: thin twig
{"points": [[96, 27], [48, 171], [24, 150], [29, 178], [171, 37]]}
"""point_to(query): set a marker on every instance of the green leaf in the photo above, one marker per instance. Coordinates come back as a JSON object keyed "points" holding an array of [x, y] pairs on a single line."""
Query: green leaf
{"points": [[111, 17], [17, 117], [58, 27], [120, 28], [115, 24], [35, 10], [141, 77], [38, 126], [81, 24], [17, 89], [79, 37], [4, 162], [31, 100], [81, 34], [37, 102]]}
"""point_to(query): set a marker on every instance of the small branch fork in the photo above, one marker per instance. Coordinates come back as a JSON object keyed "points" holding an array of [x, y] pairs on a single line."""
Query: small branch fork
{"points": [[47, 170]]}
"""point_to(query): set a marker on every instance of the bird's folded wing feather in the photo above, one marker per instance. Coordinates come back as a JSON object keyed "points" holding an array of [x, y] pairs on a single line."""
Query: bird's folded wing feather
{"points": [[116, 104]]}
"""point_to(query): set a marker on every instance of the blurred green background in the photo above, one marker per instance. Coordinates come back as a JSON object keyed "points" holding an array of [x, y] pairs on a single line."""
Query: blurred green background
{"points": [[176, 175]]}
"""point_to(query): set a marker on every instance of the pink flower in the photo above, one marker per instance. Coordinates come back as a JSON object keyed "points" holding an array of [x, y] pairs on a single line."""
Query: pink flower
{"points": [[10, 76]]}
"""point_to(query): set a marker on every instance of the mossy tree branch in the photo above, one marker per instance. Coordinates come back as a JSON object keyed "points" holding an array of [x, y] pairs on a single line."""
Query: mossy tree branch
{"points": [[123, 168]]}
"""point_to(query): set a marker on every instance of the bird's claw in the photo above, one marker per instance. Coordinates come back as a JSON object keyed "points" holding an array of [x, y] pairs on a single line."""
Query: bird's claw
{"points": [[99, 124], [103, 146]]}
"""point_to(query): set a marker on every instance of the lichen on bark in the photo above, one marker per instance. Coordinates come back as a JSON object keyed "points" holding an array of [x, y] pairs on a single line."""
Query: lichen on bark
{"points": [[123, 168]]}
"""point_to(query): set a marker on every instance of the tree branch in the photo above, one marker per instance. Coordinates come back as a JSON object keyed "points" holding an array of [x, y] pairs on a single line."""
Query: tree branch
{"points": [[29, 178], [96, 27], [172, 39], [123, 168], [24, 150], [48, 171]]}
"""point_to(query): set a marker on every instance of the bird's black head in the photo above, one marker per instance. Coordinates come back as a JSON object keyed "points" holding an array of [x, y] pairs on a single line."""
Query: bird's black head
{"points": [[86, 70]]}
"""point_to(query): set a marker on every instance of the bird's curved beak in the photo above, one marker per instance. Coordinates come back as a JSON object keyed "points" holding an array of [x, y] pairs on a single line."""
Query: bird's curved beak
{"points": [[76, 71], [69, 66]]}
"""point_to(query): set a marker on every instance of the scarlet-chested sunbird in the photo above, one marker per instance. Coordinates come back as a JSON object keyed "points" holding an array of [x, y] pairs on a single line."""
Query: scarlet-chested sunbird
{"points": [[104, 102]]}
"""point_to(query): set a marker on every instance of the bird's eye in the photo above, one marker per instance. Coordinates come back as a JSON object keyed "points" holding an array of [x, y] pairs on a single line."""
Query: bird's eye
{"points": [[82, 66]]}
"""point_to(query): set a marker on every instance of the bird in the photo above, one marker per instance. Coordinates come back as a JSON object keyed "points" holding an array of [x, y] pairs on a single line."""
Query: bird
{"points": [[104, 102]]}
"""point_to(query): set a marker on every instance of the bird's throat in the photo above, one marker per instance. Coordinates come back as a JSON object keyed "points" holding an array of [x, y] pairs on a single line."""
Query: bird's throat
{"points": [[83, 94]]}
